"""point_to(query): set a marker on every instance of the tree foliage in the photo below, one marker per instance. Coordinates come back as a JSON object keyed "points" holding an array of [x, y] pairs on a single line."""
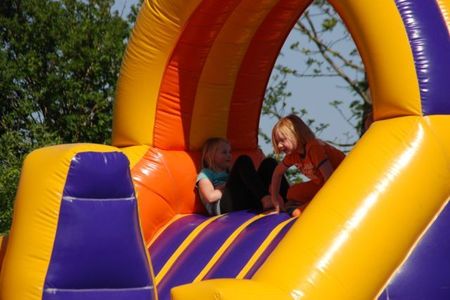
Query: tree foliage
{"points": [[59, 63]]}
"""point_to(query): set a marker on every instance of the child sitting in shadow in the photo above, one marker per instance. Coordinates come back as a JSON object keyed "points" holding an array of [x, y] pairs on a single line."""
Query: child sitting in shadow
{"points": [[225, 188]]}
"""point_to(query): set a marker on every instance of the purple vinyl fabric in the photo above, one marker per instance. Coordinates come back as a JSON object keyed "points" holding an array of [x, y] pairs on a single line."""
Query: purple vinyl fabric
{"points": [[195, 257], [430, 43], [98, 243], [269, 250], [109, 176], [200, 251], [426, 273], [245, 245], [172, 237]]}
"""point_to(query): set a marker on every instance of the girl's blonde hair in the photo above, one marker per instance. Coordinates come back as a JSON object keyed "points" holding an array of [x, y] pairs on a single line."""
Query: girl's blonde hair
{"points": [[209, 151], [294, 129]]}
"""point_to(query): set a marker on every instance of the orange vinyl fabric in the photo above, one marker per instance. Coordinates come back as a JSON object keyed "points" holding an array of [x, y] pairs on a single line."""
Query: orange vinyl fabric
{"points": [[179, 84], [164, 182], [3, 243], [255, 70], [218, 78], [165, 185]]}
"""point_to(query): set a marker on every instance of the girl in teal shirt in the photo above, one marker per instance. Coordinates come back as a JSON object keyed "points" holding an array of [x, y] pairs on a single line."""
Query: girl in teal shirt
{"points": [[223, 188]]}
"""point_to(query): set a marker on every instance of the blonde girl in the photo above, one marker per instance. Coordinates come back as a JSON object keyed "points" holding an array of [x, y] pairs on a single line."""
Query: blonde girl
{"points": [[215, 163], [314, 158], [224, 188]]}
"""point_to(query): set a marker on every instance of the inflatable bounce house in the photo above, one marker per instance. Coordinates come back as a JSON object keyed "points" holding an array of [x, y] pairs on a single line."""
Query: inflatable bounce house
{"points": [[123, 221]]}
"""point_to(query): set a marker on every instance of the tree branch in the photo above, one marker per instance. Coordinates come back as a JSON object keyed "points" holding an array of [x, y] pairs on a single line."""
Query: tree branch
{"points": [[325, 51]]}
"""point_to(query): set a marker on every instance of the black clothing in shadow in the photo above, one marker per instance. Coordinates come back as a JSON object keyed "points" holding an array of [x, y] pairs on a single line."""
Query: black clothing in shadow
{"points": [[246, 186]]}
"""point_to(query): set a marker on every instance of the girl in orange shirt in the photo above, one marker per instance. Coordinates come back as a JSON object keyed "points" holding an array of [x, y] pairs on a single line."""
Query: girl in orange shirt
{"points": [[314, 158]]}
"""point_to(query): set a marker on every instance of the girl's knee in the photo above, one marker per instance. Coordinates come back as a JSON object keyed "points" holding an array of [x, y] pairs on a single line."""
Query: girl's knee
{"points": [[243, 160], [269, 163], [303, 192]]}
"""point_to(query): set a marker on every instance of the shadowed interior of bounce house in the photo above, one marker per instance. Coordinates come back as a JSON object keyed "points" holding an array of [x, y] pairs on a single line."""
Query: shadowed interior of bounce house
{"points": [[124, 221]]}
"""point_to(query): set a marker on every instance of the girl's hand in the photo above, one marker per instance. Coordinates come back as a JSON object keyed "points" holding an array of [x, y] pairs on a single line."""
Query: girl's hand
{"points": [[274, 203], [280, 203], [208, 192], [277, 209], [277, 204], [266, 202]]}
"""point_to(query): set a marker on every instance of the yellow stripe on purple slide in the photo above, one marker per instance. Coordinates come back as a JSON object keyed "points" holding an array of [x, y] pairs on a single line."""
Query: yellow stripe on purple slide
{"points": [[261, 249], [161, 230], [224, 247], [181, 248]]}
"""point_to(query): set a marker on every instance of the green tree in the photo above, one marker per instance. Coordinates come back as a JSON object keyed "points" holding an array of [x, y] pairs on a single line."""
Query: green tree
{"points": [[327, 50], [59, 63]]}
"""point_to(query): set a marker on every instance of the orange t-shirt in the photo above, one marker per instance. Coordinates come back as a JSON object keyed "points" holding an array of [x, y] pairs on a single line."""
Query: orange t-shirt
{"points": [[317, 152]]}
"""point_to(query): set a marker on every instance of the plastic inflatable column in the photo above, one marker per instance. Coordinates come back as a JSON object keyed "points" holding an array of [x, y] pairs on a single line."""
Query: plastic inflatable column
{"points": [[76, 231]]}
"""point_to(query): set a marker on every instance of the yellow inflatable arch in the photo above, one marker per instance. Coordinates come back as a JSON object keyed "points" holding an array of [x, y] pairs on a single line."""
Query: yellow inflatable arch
{"points": [[199, 68]]}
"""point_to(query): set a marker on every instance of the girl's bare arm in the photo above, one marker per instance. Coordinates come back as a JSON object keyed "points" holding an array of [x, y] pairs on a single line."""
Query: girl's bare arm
{"points": [[207, 191], [278, 173]]}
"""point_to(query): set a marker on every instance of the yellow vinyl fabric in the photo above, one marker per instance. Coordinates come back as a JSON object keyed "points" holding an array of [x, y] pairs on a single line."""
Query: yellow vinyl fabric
{"points": [[228, 289], [445, 10], [135, 153], [351, 239], [382, 41], [157, 29]]}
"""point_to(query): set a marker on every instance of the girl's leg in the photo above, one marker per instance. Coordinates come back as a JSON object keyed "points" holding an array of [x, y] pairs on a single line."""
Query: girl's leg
{"points": [[244, 188], [303, 192], [226, 202], [299, 196]]}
